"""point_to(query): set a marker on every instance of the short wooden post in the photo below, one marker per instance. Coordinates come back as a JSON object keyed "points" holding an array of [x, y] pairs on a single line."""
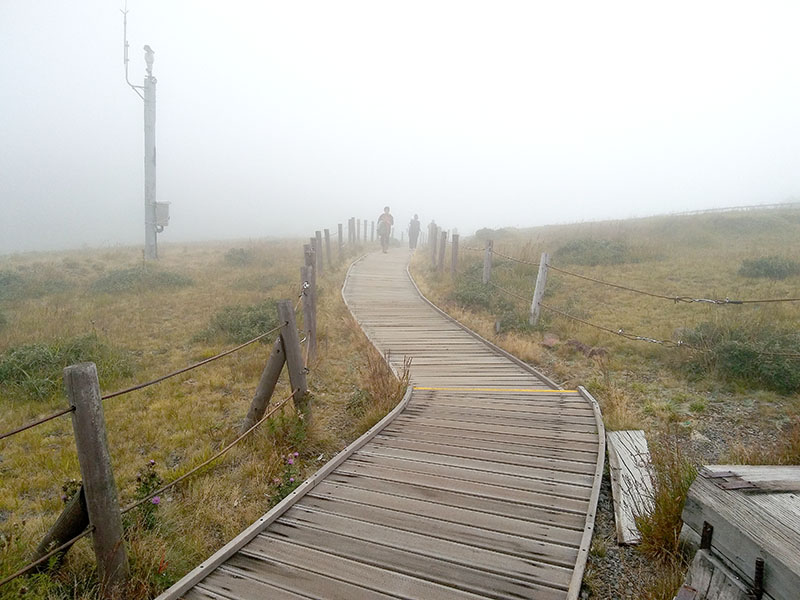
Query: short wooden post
{"points": [[88, 424], [454, 262], [351, 231], [294, 359], [70, 523], [434, 239], [365, 230], [442, 250], [310, 260], [358, 230], [538, 292], [318, 249], [341, 241], [372, 232], [266, 385], [487, 262], [309, 311], [328, 247]]}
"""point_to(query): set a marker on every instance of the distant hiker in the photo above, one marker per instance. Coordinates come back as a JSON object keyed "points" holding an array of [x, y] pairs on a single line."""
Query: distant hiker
{"points": [[385, 223], [413, 232]]}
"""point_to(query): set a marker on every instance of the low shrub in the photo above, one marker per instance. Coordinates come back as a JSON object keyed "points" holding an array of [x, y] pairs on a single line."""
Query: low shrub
{"points": [[238, 257], [755, 356], [672, 474], [139, 279], [592, 252], [470, 293], [771, 267], [34, 371], [12, 285], [241, 323]]}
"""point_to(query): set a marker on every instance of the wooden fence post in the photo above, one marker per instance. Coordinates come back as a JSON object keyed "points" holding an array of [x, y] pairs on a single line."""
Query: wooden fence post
{"points": [[372, 232], [358, 230], [310, 260], [341, 242], [328, 247], [442, 250], [70, 523], [365, 230], [294, 359], [487, 262], [309, 311], [88, 423], [318, 249], [454, 263], [266, 385], [538, 292], [434, 239], [351, 233]]}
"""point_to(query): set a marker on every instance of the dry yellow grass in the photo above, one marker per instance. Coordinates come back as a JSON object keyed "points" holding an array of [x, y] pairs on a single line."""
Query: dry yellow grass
{"points": [[182, 421]]}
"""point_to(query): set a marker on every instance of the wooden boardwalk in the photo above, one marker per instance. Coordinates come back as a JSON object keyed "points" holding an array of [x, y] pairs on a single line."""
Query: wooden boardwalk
{"points": [[482, 483]]}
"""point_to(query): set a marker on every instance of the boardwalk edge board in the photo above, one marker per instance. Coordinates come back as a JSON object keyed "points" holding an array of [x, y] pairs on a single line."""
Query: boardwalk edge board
{"points": [[480, 338], [200, 572], [586, 541]]}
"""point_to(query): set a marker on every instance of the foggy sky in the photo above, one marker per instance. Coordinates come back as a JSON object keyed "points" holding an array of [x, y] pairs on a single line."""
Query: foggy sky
{"points": [[279, 118]]}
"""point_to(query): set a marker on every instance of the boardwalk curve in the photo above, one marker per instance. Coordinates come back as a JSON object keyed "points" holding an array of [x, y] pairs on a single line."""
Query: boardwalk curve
{"points": [[481, 483]]}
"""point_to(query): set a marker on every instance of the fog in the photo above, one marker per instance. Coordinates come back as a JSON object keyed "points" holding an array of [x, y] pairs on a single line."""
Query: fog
{"points": [[279, 118]]}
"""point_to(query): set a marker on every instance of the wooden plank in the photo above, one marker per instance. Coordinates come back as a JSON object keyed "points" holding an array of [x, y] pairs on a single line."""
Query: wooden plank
{"points": [[749, 526], [631, 482]]}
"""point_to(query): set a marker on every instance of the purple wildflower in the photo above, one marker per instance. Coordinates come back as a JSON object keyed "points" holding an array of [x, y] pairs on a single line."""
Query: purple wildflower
{"points": [[291, 479], [290, 461], [296, 454], [155, 499], [152, 462]]}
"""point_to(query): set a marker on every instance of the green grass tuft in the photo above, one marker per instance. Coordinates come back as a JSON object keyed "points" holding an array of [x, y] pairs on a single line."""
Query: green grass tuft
{"points": [[34, 371], [138, 279], [242, 322], [770, 267], [591, 252]]}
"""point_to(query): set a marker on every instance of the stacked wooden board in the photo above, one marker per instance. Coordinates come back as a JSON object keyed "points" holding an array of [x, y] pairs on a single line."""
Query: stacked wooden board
{"points": [[482, 484]]}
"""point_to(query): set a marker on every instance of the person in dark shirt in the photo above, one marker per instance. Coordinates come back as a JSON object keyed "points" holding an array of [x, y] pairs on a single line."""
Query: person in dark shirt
{"points": [[385, 223], [413, 232]]}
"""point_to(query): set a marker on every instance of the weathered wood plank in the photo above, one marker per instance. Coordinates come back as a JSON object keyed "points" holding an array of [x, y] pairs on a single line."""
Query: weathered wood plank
{"points": [[631, 482]]}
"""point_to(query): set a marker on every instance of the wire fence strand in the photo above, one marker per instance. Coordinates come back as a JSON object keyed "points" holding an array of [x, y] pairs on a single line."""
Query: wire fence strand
{"points": [[30, 566], [676, 299], [33, 424], [193, 366], [205, 463]]}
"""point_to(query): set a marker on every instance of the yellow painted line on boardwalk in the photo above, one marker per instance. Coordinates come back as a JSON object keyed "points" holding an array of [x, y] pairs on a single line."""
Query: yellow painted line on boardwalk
{"points": [[470, 389]]}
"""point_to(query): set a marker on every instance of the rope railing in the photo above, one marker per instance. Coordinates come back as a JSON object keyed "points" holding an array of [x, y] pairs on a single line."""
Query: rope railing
{"points": [[140, 386], [205, 463], [676, 299], [514, 259]]}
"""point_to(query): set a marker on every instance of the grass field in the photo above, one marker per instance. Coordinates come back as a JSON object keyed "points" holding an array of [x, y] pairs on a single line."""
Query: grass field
{"points": [[735, 397], [138, 322]]}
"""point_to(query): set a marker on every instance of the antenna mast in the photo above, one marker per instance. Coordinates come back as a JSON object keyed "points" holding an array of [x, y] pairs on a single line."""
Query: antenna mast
{"points": [[152, 224]]}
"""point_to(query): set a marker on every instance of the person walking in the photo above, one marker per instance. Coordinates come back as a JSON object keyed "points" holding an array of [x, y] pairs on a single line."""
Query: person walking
{"points": [[385, 223], [413, 232]]}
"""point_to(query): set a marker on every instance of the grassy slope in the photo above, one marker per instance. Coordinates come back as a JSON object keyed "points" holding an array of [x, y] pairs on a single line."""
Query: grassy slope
{"points": [[182, 421]]}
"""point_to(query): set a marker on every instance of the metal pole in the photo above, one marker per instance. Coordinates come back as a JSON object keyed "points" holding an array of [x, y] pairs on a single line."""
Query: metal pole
{"points": [[150, 241]]}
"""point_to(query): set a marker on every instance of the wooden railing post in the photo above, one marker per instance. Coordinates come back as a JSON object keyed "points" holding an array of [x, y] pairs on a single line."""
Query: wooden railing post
{"points": [[487, 262], [294, 360], [341, 242], [351, 230], [365, 230], [328, 247], [70, 523], [538, 292], [454, 262], [434, 239], [309, 311], [310, 260], [102, 505], [358, 230], [442, 250], [318, 249], [266, 385]]}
